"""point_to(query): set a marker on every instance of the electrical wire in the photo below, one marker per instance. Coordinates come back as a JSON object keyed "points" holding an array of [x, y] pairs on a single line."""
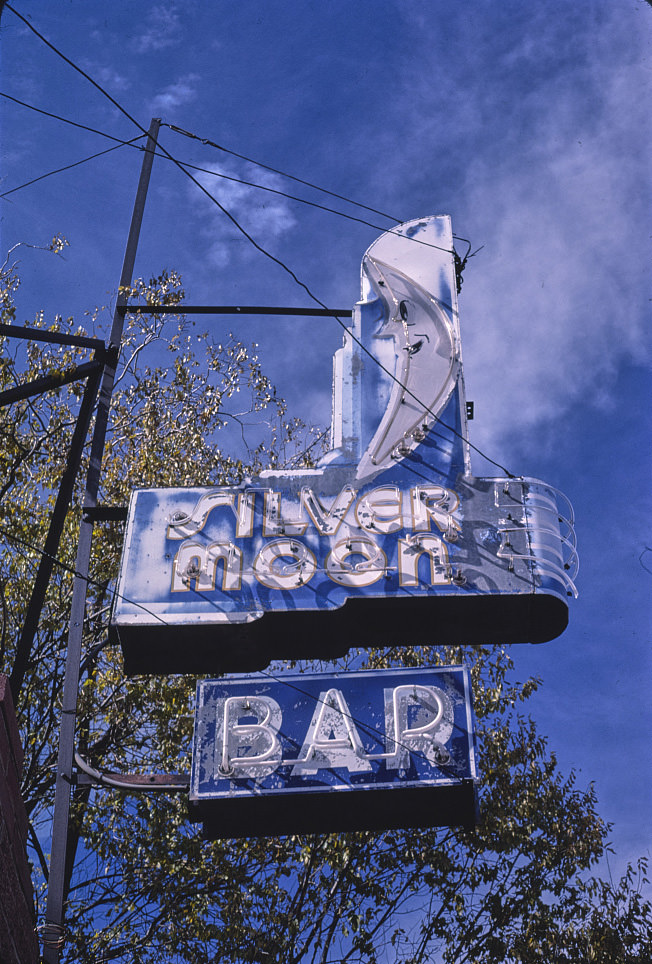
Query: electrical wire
{"points": [[204, 170], [124, 111], [291, 197], [74, 572], [407, 391], [316, 187], [427, 409], [65, 120], [102, 778], [253, 184], [68, 167], [299, 180], [249, 160]]}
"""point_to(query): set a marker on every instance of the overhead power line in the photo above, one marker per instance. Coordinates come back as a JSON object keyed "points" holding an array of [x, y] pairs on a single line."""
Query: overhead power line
{"points": [[427, 409], [290, 197], [217, 174], [365, 727], [64, 120], [238, 180], [292, 177], [68, 167], [274, 170]]}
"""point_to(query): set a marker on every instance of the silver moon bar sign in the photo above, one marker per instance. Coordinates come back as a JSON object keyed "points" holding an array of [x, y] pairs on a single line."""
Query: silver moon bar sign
{"points": [[268, 753], [389, 540]]}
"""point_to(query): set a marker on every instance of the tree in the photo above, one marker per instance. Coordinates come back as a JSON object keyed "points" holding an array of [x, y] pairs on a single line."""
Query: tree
{"points": [[145, 886]]}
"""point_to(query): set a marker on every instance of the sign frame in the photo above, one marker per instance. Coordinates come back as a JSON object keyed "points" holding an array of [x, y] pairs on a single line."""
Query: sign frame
{"points": [[389, 538], [432, 783]]}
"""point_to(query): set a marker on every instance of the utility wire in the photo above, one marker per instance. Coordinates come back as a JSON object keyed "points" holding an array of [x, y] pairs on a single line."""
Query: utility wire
{"points": [[315, 204], [243, 157], [427, 409], [290, 197], [219, 174], [365, 727], [252, 241], [133, 120], [316, 187], [68, 167], [237, 180], [203, 170], [64, 120], [74, 572]]}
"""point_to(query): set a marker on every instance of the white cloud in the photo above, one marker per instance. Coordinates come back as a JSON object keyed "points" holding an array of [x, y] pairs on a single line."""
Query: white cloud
{"points": [[183, 91], [266, 217], [161, 30], [553, 306], [108, 77], [542, 155], [546, 165]]}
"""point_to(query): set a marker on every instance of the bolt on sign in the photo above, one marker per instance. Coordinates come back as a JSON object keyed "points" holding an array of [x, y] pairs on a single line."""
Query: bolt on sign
{"points": [[390, 539], [268, 753]]}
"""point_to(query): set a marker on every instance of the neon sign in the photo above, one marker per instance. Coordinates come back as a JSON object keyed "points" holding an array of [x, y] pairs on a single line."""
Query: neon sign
{"points": [[268, 753], [389, 540]]}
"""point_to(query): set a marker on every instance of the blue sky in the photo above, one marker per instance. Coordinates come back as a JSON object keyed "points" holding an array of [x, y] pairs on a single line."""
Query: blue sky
{"points": [[526, 123]]}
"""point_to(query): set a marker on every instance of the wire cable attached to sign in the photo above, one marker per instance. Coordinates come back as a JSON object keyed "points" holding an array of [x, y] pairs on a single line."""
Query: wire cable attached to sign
{"points": [[252, 241], [342, 197], [238, 180], [266, 167], [103, 778], [260, 187]]}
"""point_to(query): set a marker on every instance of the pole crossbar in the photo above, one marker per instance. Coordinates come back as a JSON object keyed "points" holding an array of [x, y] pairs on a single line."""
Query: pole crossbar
{"points": [[55, 531], [47, 383], [54, 337], [235, 310], [137, 782]]}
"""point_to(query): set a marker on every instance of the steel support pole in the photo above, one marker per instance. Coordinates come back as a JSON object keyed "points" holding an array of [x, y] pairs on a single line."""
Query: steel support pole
{"points": [[48, 383], [53, 933], [53, 337], [241, 310], [57, 521]]}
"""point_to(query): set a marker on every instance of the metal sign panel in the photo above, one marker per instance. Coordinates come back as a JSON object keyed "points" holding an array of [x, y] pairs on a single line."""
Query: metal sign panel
{"points": [[269, 753], [390, 537]]}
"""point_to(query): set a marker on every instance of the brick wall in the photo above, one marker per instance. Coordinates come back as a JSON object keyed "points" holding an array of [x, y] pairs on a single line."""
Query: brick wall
{"points": [[18, 944]]}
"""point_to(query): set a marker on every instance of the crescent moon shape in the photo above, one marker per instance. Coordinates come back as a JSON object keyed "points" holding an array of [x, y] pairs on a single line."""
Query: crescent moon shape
{"points": [[427, 356]]}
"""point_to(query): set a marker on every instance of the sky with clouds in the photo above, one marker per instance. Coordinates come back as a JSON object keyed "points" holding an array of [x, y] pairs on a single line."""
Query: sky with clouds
{"points": [[527, 123]]}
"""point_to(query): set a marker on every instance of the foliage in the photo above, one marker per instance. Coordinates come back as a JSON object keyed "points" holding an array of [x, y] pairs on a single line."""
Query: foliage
{"points": [[145, 886]]}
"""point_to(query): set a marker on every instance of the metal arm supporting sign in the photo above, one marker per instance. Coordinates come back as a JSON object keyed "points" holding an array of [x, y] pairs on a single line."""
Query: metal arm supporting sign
{"points": [[57, 521], [61, 861]]}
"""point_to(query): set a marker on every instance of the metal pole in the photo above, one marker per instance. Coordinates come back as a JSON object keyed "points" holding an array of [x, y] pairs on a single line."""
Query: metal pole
{"points": [[48, 383], [53, 934], [57, 520], [241, 310]]}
